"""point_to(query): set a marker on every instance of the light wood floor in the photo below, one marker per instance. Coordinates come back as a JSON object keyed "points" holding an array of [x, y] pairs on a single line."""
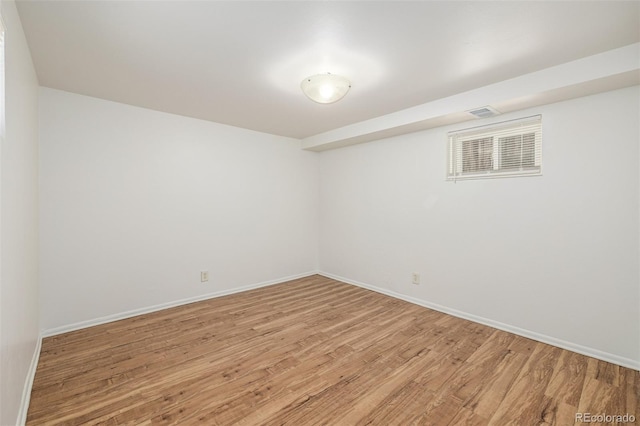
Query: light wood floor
{"points": [[316, 351]]}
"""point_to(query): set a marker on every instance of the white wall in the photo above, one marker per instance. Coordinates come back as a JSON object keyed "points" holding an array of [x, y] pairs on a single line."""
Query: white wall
{"points": [[555, 255], [19, 326], [135, 203]]}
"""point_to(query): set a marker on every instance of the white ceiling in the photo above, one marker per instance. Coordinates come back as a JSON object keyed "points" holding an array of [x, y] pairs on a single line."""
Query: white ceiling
{"points": [[241, 63]]}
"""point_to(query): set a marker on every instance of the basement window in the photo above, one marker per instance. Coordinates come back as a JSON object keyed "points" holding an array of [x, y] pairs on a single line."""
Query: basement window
{"points": [[507, 149]]}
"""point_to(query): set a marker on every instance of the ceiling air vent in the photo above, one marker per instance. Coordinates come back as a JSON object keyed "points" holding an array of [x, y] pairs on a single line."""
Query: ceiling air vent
{"points": [[484, 112]]}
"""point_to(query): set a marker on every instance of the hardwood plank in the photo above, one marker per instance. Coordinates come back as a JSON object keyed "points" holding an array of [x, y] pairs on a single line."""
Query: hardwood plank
{"points": [[469, 417], [316, 351], [495, 384], [526, 399], [568, 378]]}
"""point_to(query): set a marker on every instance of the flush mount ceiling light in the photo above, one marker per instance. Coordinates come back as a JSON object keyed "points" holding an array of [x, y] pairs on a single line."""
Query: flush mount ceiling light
{"points": [[325, 88]]}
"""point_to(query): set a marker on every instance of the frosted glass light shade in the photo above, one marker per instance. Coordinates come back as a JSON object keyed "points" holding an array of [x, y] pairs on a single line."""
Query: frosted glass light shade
{"points": [[325, 88]]}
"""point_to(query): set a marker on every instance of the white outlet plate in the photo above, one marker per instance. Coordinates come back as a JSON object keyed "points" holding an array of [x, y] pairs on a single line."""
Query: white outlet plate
{"points": [[415, 278], [204, 276]]}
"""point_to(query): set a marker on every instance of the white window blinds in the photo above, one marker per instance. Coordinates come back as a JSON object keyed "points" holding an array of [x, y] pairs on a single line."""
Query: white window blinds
{"points": [[512, 148]]}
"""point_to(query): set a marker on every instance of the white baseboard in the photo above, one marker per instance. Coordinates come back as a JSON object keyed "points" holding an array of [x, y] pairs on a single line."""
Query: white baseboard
{"points": [[28, 384], [584, 350], [172, 304]]}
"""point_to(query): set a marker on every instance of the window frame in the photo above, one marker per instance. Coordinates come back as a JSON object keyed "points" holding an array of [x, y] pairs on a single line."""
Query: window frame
{"points": [[497, 132]]}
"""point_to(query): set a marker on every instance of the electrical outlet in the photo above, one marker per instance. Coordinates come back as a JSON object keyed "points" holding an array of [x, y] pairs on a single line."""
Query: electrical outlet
{"points": [[204, 276], [415, 278]]}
